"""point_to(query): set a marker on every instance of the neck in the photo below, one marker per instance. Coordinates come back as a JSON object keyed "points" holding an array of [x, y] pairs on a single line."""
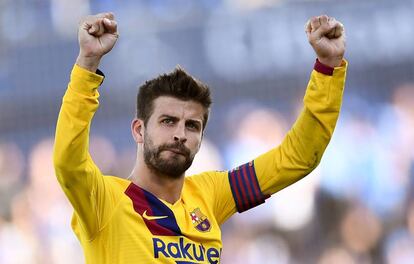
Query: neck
{"points": [[162, 186]]}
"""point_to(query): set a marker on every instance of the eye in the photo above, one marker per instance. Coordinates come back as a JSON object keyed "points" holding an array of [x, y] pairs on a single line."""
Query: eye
{"points": [[167, 121], [193, 126]]}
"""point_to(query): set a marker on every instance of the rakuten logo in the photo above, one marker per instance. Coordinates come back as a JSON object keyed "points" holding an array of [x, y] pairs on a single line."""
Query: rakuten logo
{"points": [[186, 251]]}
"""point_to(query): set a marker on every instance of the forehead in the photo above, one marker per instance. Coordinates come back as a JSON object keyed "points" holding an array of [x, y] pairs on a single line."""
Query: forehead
{"points": [[166, 105]]}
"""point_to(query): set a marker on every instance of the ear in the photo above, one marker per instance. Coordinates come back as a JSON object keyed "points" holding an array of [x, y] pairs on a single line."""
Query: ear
{"points": [[137, 130]]}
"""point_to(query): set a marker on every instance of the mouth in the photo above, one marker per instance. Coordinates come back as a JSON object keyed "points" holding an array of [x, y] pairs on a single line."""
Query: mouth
{"points": [[176, 151]]}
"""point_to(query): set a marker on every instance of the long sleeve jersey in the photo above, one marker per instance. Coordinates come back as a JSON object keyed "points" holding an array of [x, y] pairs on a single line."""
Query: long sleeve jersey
{"points": [[117, 221]]}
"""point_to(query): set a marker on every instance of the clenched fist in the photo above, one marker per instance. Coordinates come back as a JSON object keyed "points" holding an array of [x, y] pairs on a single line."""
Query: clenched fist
{"points": [[97, 36], [327, 37]]}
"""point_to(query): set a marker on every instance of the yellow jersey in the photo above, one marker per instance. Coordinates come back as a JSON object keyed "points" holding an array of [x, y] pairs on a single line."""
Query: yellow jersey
{"points": [[116, 221]]}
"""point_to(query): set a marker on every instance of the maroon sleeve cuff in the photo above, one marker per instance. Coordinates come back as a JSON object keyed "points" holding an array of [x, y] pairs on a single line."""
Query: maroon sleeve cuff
{"points": [[322, 68]]}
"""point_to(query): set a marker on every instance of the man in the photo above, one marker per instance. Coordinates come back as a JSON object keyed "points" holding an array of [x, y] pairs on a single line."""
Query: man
{"points": [[161, 216]]}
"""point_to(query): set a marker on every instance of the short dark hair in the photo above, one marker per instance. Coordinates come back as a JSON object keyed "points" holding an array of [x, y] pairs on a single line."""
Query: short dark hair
{"points": [[178, 84]]}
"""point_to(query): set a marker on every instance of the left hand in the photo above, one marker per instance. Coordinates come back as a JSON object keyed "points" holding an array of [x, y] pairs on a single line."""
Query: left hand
{"points": [[327, 37]]}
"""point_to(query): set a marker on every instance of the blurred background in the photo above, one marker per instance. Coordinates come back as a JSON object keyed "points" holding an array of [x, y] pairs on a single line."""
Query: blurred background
{"points": [[356, 207]]}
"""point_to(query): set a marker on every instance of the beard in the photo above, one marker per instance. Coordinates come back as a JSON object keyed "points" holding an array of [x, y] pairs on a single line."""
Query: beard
{"points": [[173, 167]]}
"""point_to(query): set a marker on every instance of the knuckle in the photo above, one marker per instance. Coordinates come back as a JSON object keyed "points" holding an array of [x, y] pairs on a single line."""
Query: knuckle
{"points": [[326, 26]]}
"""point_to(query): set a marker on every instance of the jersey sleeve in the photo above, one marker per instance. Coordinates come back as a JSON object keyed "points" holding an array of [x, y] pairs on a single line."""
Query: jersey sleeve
{"points": [[299, 153], [302, 148], [79, 177], [230, 191], [216, 192]]}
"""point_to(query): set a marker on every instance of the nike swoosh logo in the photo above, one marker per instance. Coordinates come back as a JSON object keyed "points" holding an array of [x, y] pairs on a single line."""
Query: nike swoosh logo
{"points": [[150, 217]]}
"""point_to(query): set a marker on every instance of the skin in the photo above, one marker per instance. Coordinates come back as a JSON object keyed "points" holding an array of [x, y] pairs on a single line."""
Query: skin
{"points": [[327, 38], [173, 121]]}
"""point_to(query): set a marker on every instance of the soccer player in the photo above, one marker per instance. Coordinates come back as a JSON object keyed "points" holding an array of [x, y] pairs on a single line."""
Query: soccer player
{"points": [[159, 215]]}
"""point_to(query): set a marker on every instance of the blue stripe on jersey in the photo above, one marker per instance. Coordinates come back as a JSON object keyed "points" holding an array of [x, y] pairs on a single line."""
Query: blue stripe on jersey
{"points": [[257, 194], [241, 175], [147, 206], [240, 187], [233, 191], [237, 185], [159, 208]]}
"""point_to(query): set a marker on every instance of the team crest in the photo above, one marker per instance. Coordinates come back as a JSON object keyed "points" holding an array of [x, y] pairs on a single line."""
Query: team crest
{"points": [[200, 221]]}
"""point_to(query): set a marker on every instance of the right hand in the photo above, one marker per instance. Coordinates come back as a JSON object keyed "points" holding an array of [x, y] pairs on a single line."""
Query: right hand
{"points": [[97, 35]]}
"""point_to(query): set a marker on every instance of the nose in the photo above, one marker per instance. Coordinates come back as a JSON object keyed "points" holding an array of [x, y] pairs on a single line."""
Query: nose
{"points": [[180, 135]]}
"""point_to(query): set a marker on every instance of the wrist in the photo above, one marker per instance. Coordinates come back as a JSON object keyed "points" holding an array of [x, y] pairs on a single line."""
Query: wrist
{"points": [[322, 68], [331, 62], [90, 63]]}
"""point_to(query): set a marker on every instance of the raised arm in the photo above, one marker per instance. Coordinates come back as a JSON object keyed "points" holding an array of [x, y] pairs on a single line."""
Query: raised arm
{"points": [[303, 147], [79, 177]]}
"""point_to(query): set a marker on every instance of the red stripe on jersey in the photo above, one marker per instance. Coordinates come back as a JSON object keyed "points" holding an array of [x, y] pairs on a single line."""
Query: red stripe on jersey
{"points": [[233, 184], [258, 192], [143, 203], [244, 186], [253, 196], [262, 197]]}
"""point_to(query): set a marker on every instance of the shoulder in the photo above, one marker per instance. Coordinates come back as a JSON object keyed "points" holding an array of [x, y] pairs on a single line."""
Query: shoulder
{"points": [[205, 175], [116, 182], [206, 179]]}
